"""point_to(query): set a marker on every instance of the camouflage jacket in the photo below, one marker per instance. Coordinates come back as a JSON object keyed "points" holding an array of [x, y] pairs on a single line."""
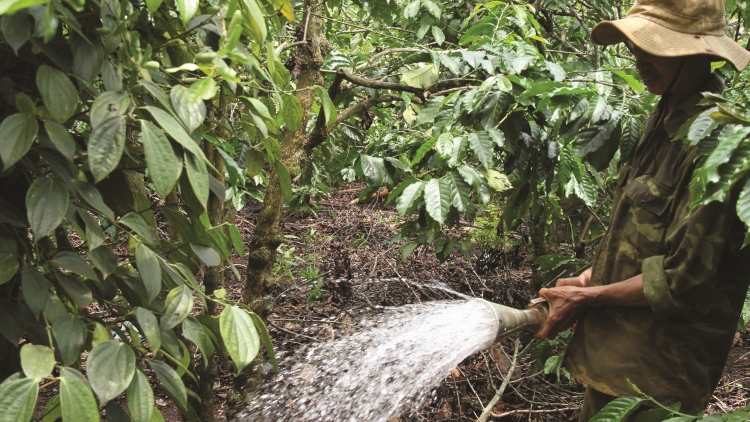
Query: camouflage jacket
{"points": [[695, 277]]}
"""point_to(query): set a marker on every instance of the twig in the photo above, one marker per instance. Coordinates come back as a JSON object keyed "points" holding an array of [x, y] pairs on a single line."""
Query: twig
{"points": [[292, 332], [515, 412], [487, 411]]}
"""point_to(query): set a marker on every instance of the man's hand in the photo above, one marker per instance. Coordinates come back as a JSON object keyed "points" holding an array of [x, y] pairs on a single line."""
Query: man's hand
{"points": [[566, 303], [582, 280]]}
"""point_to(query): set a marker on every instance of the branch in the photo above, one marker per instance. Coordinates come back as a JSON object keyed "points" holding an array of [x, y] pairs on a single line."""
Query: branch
{"points": [[371, 83], [371, 60], [488, 409], [286, 46]]}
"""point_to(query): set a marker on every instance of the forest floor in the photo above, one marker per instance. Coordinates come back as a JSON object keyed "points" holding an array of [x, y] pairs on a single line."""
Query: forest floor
{"points": [[348, 243], [341, 240]]}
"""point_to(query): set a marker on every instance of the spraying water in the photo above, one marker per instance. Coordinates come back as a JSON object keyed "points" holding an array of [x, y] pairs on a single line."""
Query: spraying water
{"points": [[386, 369]]}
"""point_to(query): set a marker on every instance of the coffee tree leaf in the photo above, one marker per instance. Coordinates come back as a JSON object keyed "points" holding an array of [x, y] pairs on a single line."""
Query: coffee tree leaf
{"points": [[34, 287], [459, 190], [483, 146], [58, 93], [444, 145], [71, 261], [423, 150], [18, 132], [108, 105], [106, 144], [17, 399], [375, 171], [193, 331], [437, 198], [187, 9], [163, 165], [77, 402], [422, 77], [240, 336], [136, 223], [291, 112], [177, 307], [192, 113], [701, 127], [329, 109], [171, 382], [8, 266], [46, 205], [37, 361], [70, 334], [437, 33], [148, 265], [618, 409], [110, 367], [149, 328], [140, 398], [410, 198], [60, 137]]}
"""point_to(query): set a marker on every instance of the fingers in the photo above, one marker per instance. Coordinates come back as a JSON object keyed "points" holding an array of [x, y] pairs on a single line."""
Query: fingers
{"points": [[570, 281]]}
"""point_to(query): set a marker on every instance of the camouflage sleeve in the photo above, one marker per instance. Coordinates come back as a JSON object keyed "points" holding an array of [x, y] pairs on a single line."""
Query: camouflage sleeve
{"points": [[674, 282]]}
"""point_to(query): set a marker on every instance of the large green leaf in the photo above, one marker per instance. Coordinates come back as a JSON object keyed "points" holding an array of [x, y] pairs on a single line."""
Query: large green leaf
{"points": [[483, 147], [148, 265], [8, 266], [73, 262], [163, 165], [34, 287], [108, 105], [171, 382], [240, 336], [410, 198], [206, 254], [176, 131], [135, 222], [423, 150], [618, 409], [16, 28], [460, 190], [701, 126], [17, 399], [106, 144], [18, 132], [76, 291], [91, 195], [37, 361], [375, 171], [76, 399], [255, 20], [104, 259], [429, 110], [743, 203], [192, 113], [444, 146], [178, 305], [291, 111], [149, 327], [187, 8], [202, 89], [422, 77], [198, 177], [60, 137], [70, 334], [46, 205], [110, 367], [140, 398], [722, 154], [329, 109], [437, 198], [285, 180], [193, 331], [94, 232], [58, 93]]}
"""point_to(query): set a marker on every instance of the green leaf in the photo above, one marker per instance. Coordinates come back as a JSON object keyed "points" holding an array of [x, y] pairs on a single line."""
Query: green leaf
{"points": [[375, 171], [429, 110], [291, 112], [701, 127], [237, 242], [444, 146], [171, 381], [94, 232], [110, 367], [76, 399], [58, 93], [240, 336], [17, 399], [52, 411], [410, 198], [106, 144], [153, 5], [437, 33], [163, 165], [104, 259], [90, 194], [437, 198], [193, 331], [135, 222], [35, 289], [423, 150], [432, 8], [198, 177], [187, 8], [629, 79], [148, 265], [46, 205], [71, 261], [328, 108], [177, 307], [16, 29], [75, 290], [176, 131], [459, 190], [255, 20], [108, 105], [422, 77], [192, 113], [618, 409], [70, 334], [8, 266], [206, 254], [37, 361], [149, 328], [60, 137], [285, 180], [202, 89], [18, 132], [140, 398], [412, 9], [743, 204], [483, 147]]}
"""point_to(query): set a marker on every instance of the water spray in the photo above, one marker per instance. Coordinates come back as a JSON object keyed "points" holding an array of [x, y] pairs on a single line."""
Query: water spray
{"points": [[511, 321]]}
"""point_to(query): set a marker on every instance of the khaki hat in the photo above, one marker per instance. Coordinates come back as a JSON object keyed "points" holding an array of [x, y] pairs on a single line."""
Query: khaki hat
{"points": [[672, 28]]}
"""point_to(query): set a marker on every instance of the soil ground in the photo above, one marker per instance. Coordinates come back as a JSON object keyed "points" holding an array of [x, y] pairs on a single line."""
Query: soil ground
{"points": [[341, 252]]}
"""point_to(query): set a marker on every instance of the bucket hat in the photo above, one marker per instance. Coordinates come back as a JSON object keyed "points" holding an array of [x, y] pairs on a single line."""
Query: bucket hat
{"points": [[672, 28]]}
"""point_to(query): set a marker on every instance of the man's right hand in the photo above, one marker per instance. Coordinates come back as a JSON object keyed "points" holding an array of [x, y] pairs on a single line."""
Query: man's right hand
{"points": [[582, 280]]}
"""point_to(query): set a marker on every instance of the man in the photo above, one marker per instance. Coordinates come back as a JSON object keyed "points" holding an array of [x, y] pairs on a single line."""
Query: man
{"points": [[660, 304]]}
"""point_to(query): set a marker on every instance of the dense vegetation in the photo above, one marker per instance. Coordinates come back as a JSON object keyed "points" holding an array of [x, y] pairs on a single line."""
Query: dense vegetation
{"points": [[117, 115]]}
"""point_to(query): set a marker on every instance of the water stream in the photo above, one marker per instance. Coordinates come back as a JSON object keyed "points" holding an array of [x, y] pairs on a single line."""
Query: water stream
{"points": [[390, 366]]}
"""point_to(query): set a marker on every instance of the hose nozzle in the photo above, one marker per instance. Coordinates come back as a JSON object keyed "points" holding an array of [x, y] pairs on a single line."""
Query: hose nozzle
{"points": [[511, 321]]}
